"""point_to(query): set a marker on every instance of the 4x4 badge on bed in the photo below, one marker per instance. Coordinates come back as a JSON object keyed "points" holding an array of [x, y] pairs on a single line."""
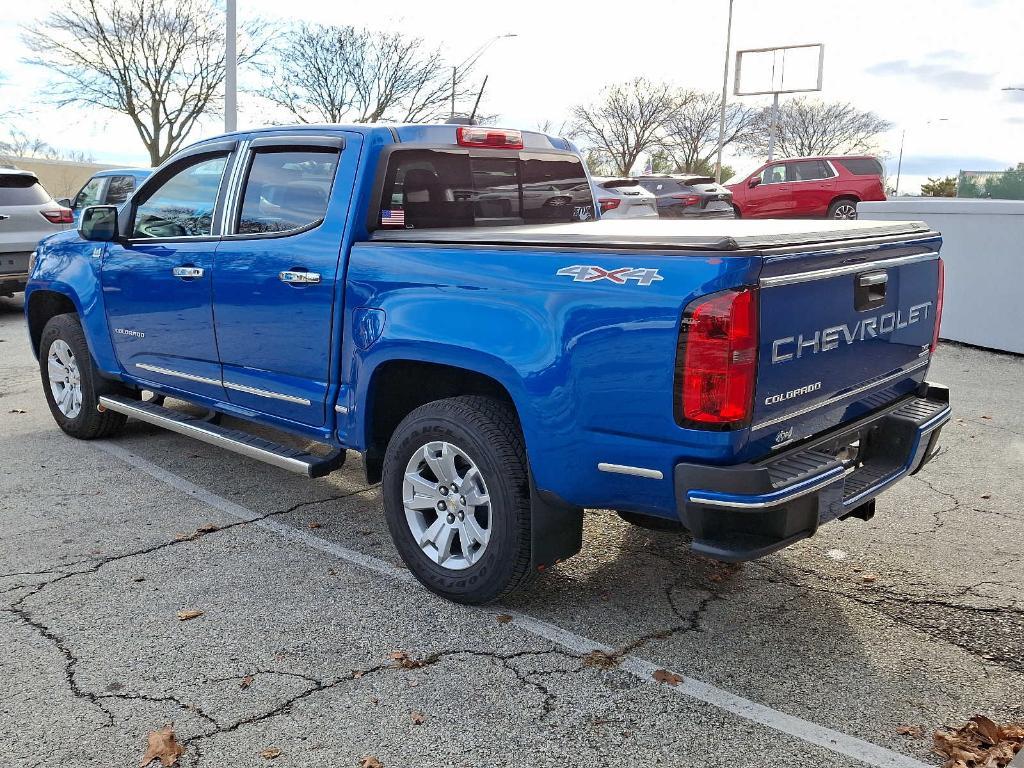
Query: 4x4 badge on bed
{"points": [[590, 273]]}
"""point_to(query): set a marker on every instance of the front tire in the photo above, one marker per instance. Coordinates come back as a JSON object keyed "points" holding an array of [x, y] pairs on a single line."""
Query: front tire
{"points": [[71, 382], [457, 498]]}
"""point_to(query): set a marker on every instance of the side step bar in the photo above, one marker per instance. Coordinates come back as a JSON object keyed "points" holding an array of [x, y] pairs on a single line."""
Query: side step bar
{"points": [[235, 440]]}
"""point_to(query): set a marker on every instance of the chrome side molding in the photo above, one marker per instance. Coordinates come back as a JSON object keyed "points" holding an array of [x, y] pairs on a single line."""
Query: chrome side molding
{"points": [[623, 469]]}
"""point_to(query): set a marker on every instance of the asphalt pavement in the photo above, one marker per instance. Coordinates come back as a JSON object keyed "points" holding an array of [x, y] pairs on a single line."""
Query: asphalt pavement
{"points": [[315, 647]]}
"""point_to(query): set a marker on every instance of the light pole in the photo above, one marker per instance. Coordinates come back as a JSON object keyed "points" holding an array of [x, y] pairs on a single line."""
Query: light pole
{"points": [[899, 163], [725, 91], [472, 59], [230, 70]]}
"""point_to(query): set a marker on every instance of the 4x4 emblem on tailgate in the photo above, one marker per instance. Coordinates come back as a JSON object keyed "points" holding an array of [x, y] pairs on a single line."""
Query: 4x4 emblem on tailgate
{"points": [[590, 273]]}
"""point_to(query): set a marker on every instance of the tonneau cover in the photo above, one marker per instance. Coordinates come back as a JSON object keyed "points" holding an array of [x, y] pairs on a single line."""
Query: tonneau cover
{"points": [[713, 234]]}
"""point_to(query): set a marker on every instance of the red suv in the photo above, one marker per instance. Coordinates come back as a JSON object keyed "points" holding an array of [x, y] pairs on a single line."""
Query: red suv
{"points": [[808, 187]]}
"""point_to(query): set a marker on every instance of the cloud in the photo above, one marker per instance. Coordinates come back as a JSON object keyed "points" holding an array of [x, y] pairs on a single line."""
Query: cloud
{"points": [[1017, 97], [935, 72]]}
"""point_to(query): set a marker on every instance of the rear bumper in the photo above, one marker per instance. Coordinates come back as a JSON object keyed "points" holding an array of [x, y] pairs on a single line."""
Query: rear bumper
{"points": [[693, 212], [746, 511], [13, 271]]}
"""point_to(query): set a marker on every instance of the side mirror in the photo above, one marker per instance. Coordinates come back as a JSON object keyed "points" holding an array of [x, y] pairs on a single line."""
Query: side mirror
{"points": [[754, 182], [64, 202], [99, 223]]}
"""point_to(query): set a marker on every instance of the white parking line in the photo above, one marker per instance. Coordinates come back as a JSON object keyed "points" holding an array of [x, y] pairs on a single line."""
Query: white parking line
{"points": [[812, 733]]}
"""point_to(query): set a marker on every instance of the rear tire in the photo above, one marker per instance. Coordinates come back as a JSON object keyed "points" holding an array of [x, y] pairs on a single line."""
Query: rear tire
{"points": [[72, 383], [843, 209], [651, 523], [457, 498]]}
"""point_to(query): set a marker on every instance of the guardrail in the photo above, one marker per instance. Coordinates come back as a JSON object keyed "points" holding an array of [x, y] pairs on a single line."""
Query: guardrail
{"points": [[983, 247]]}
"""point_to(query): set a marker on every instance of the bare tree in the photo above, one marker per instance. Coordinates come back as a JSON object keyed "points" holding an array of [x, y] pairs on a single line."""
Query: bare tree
{"points": [[335, 74], [811, 127], [691, 130], [160, 62], [625, 122]]}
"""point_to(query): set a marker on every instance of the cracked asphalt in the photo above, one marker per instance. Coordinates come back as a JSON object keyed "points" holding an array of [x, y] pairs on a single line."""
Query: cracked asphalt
{"points": [[915, 617]]}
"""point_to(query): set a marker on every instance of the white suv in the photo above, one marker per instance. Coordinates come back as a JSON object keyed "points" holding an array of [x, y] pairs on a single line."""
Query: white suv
{"points": [[27, 215]]}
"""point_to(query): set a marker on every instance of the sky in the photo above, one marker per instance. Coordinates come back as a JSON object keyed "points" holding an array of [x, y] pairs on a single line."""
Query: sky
{"points": [[934, 68]]}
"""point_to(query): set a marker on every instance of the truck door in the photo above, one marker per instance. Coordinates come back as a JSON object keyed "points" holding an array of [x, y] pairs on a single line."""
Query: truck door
{"points": [[157, 283], [277, 271]]}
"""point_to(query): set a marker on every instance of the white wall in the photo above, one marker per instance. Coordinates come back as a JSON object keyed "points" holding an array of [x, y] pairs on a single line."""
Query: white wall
{"points": [[983, 248]]}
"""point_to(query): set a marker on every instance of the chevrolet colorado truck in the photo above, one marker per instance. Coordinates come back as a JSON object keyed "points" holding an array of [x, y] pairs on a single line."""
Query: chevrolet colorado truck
{"points": [[442, 300]]}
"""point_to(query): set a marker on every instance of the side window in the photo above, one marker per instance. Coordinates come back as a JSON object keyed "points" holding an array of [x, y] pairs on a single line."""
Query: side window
{"points": [[808, 170], [120, 189], [774, 174], [89, 194], [286, 190], [182, 206]]}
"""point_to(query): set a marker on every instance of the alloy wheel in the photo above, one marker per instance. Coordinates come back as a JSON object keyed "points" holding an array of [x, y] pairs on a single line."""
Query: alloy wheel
{"points": [[447, 506], [65, 378]]}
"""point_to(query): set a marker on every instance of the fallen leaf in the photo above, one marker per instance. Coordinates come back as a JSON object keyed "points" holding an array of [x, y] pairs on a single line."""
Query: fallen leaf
{"points": [[601, 660], [402, 659], [417, 718], [189, 614], [986, 417], [374, 700], [137, 579], [869, 578], [17, 410], [246, 682], [314, 524], [163, 746], [208, 528], [669, 678], [981, 742], [185, 536], [357, 674], [986, 495], [503, 618], [914, 731], [369, 761], [270, 753]]}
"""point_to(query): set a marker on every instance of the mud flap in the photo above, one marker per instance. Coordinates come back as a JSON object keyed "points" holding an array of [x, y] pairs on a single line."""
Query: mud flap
{"points": [[556, 529]]}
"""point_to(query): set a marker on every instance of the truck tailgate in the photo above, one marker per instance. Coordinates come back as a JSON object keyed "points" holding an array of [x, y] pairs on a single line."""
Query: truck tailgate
{"points": [[841, 334]]}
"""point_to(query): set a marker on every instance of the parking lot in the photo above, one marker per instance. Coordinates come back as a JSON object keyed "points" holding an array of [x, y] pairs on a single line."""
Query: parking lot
{"points": [[314, 642]]}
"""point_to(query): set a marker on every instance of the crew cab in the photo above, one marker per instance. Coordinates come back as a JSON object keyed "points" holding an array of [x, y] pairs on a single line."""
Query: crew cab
{"points": [[501, 363]]}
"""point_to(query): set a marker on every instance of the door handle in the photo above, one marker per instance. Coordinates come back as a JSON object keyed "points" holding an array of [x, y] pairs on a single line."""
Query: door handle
{"points": [[295, 276], [187, 272]]}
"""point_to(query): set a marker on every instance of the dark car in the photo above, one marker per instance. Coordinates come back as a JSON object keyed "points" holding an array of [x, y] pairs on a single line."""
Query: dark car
{"points": [[684, 196]]}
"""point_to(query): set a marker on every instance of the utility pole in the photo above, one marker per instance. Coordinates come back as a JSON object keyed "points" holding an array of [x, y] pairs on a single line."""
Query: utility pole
{"points": [[230, 70], [472, 59], [773, 126], [725, 91], [454, 71]]}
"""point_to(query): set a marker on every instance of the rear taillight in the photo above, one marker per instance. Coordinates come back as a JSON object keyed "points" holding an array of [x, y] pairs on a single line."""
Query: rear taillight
{"points": [[59, 216], [608, 203], [495, 138], [938, 305], [718, 355], [687, 199]]}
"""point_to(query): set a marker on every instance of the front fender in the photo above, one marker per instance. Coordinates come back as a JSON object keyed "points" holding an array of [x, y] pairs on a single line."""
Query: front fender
{"points": [[69, 267]]}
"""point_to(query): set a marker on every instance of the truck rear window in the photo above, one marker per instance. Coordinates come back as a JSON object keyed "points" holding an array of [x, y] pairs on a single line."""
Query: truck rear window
{"points": [[427, 188], [16, 189]]}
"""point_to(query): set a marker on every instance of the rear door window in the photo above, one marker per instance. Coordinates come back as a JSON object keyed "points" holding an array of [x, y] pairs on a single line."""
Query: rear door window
{"points": [[808, 170], [120, 189], [16, 189], [286, 190], [453, 188]]}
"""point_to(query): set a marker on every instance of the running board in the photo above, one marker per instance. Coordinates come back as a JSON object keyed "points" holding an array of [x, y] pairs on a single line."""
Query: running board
{"points": [[235, 440]]}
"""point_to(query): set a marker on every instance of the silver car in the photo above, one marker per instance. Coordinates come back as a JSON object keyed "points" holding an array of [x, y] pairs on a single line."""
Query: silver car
{"points": [[623, 198], [27, 215]]}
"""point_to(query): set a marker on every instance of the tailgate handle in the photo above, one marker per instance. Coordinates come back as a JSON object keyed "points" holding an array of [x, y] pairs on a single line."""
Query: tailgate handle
{"points": [[874, 279], [869, 292]]}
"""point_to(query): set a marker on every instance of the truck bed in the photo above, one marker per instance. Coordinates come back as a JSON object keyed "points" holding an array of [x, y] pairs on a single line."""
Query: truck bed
{"points": [[711, 235]]}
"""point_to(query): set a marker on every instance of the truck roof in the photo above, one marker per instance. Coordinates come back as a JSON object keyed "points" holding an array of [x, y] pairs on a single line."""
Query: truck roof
{"points": [[710, 235]]}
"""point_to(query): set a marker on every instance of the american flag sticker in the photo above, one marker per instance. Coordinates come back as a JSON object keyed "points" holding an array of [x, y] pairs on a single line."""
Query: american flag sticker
{"points": [[393, 218]]}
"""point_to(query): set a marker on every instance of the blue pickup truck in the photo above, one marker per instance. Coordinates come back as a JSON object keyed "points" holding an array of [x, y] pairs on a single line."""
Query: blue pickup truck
{"points": [[446, 301]]}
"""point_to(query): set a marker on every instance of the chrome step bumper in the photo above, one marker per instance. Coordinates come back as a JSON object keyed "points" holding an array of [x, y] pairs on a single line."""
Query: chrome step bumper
{"points": [[235, 440]]}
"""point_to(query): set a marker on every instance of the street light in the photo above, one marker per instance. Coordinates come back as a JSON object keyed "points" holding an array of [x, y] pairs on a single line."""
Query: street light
{"points": [[473, 58], [899, 163]]}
